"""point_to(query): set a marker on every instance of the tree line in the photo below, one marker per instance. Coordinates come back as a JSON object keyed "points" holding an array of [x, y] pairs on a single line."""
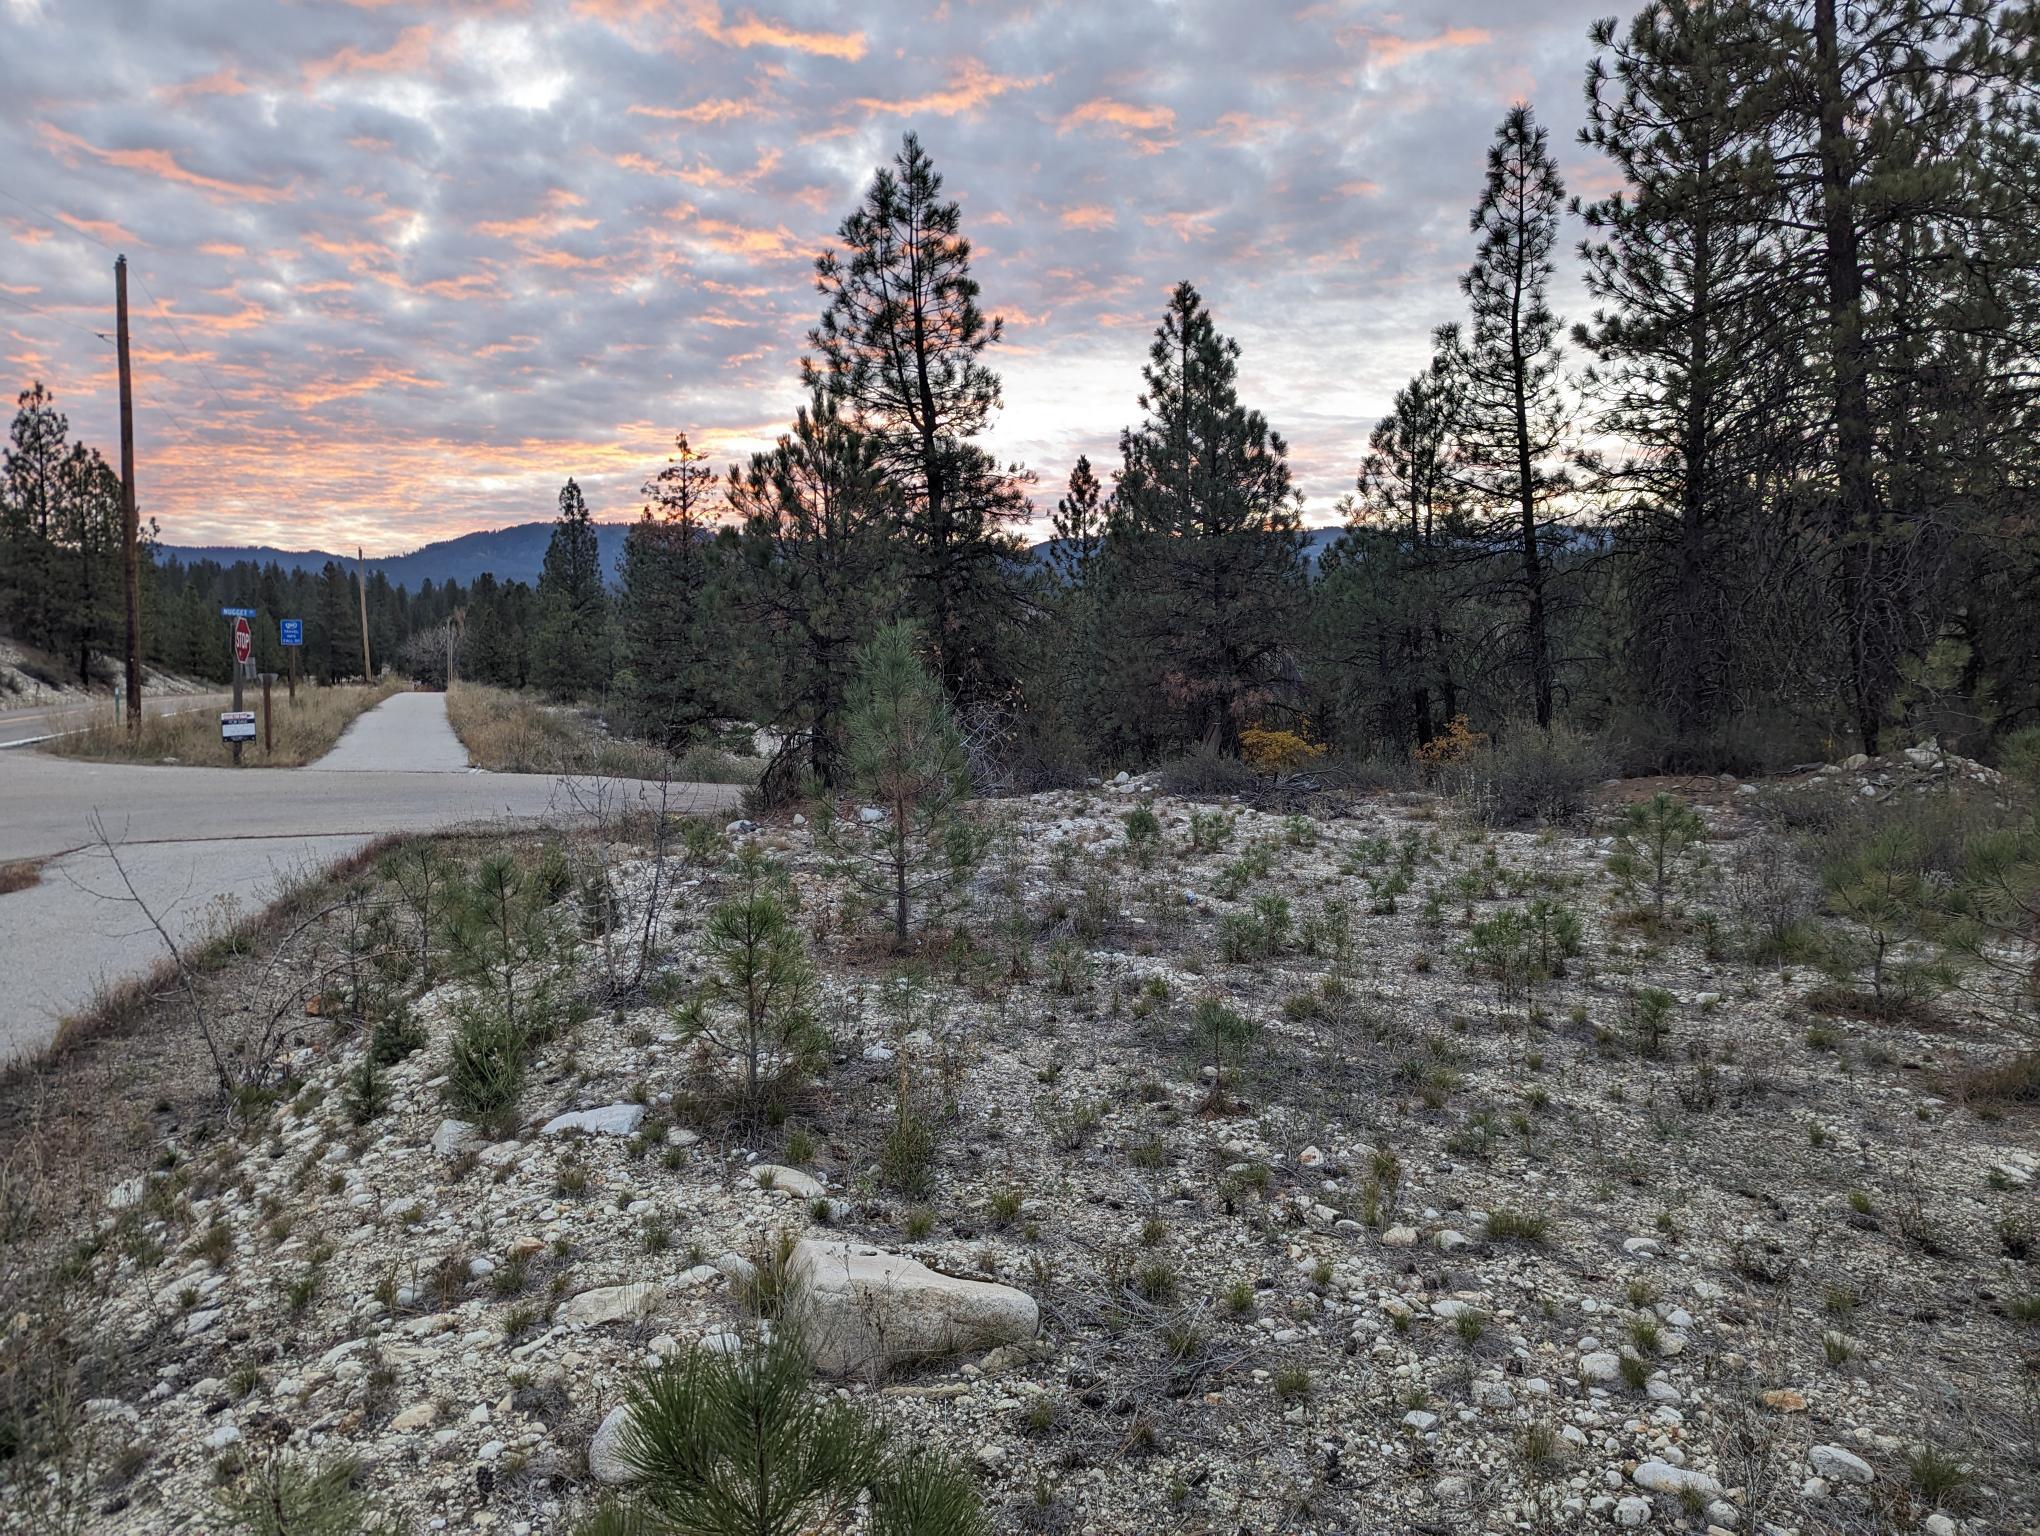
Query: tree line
{"points": [[1772, 494]]}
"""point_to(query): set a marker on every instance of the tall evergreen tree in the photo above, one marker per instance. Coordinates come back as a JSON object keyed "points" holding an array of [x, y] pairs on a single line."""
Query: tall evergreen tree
{"points": [[1680, 265], [571, 653], [1513, 422], [1077, 528], [32, 468], [901, 340], [668, 624], [1208, 571], [821, 570]]}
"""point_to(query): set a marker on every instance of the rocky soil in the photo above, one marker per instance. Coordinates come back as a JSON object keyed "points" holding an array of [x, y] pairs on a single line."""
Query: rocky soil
{"points": [[1424, 1252]]}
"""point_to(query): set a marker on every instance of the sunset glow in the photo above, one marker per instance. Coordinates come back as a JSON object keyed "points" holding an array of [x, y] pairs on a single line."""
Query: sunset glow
{"points": [[401, 268]]}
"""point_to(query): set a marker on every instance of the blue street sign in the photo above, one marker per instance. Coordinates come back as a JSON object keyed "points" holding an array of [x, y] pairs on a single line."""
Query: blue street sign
{"points": [[293, 631], [237, 613]]}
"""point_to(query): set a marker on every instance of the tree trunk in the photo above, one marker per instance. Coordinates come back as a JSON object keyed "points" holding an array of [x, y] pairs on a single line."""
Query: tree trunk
{"points": [[1856, 492]]}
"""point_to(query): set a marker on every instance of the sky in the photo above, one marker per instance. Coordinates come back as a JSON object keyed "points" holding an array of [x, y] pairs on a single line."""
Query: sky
{"points": [[400, 267]]}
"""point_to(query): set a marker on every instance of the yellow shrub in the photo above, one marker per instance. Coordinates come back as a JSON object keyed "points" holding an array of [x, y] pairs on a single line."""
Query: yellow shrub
{"points": [[1455, 745], [1267, 751]]}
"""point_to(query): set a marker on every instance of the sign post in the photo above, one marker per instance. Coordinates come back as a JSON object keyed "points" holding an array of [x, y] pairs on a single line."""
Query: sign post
{"points": [[268, 727], [244, 647], [291, 633]]}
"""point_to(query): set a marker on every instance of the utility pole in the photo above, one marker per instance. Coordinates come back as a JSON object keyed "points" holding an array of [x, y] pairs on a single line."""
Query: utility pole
{"points": [[361, 578], [130, 518]]}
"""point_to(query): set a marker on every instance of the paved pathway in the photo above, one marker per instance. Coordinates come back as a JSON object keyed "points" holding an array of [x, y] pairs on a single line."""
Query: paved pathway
{"points": [[198, 842], [406, 731]]}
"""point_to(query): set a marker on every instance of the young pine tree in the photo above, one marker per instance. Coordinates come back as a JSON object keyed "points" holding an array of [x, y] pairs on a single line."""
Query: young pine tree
{"points": [[906, 765]]}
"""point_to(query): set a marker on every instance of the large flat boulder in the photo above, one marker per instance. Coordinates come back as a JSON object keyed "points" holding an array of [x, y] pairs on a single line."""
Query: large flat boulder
{"points": [[859, 1308]]}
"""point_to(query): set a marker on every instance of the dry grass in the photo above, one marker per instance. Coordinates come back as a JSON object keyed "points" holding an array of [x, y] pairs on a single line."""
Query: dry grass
{"points": [[516, 733], [305, 731]]}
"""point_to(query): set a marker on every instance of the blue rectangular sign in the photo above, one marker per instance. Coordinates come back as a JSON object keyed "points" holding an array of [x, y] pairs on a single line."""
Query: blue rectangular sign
{"points": [[293, 631]]}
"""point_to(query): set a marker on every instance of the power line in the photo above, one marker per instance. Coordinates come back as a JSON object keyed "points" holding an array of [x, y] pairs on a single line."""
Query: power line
{"points": [[56, 220], [48, 315], [163, 315]]}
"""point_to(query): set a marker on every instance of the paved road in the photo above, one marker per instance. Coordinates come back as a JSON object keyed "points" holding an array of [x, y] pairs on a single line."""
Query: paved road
{"points": [[197, 841], [38, 722]]}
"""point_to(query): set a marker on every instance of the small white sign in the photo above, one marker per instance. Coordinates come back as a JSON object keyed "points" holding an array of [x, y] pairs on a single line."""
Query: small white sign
{"points": [[237, 725]]}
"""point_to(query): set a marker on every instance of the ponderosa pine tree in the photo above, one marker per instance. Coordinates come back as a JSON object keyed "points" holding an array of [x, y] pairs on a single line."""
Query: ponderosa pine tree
{"points": [[820, 568], [1077, 529], [1387, 583], [670, 627], [32, 472], [901, 341], [1205, 545], [1684, 339], [1513, 422], [570, 656]]}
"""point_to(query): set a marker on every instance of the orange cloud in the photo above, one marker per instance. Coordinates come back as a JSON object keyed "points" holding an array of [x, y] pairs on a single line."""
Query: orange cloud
{"points": [[223, 249], [409, 53], [553, 220], [1387, 51], [221, 82], [720, 109], [746, 240], [1145, 128], [1089, 216], [160, 162], [102, 230], [1185, 226], [1120, 114], [752, 31], [973, 87]]}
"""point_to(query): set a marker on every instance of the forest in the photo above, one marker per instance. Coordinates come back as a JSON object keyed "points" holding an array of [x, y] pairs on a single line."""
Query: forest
{"points": [[1769, 499]]}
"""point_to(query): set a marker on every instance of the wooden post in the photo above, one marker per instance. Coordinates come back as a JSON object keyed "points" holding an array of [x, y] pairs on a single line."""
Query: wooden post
{"points": [[361, 578], [293, 675], [237, 708], [130, 518], [268, 731]]}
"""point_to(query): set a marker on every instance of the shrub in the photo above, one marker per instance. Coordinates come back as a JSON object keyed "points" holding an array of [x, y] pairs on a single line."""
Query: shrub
{"points": [[1143, 834], [1653, 844], [1527, 775], [1207, 771], [741, 1445], [1277, 752], [284, 1496], [485, 1066]]}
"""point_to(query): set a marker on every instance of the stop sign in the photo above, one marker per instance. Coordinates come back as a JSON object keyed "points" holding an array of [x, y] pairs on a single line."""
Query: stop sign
{"points": [[244, 640]]}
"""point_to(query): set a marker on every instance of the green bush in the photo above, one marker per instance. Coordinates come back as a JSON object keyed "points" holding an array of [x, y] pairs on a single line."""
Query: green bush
{"points": [[742, 1445], [1528, 775]]}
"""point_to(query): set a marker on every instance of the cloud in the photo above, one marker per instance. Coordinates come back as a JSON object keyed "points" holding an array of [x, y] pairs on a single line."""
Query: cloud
{"points": [[161, 163], [972, 86], [752, 31], [440, 254]]}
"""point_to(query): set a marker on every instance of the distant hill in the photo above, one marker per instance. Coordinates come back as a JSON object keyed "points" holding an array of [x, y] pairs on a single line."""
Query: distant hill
{"points": [[512, 554]]}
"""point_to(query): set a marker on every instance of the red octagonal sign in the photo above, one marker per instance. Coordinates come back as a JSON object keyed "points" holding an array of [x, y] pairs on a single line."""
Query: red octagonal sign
{"points": [[244, 640]]}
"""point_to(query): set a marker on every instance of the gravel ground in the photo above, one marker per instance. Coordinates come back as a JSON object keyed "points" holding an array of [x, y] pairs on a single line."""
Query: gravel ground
{"points": [[1425, 1255]]}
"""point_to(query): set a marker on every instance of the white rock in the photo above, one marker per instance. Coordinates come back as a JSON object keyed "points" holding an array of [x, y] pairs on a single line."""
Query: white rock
{"points": [[1601, 1366], [605, 1451], [1662, 1477], [802, 1186], [1399, 1237], [1838, 1465], [859, 1306], [1450, 1240], [1632, 1512], [1423, 1423], [452, 1137], [418, 1416], [610, 1304], [610, 1120]]}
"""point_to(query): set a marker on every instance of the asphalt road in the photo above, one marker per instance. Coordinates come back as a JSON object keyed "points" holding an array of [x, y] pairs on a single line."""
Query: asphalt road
{"points": [[30, 724], [204, 844]]}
